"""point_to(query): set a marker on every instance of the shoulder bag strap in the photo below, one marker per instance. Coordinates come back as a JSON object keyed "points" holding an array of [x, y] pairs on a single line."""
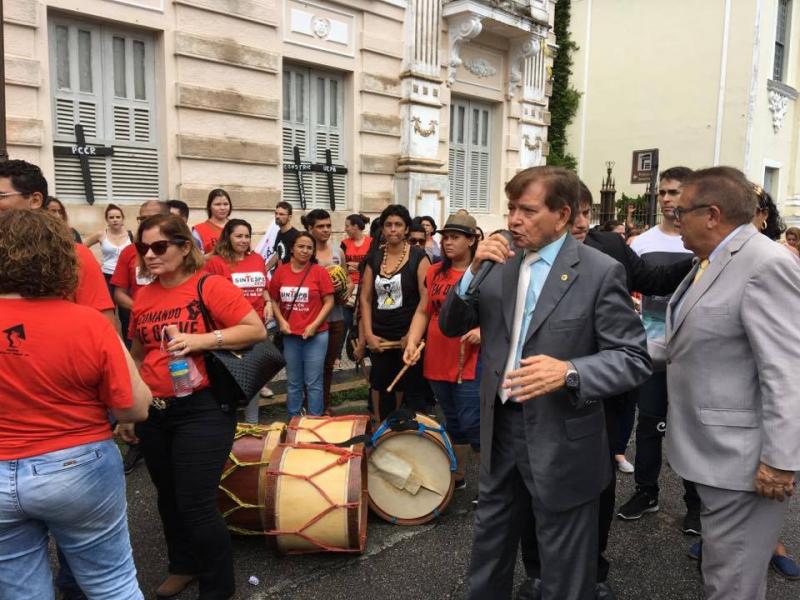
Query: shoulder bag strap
{"points": [[297, 293], [210, 325]]}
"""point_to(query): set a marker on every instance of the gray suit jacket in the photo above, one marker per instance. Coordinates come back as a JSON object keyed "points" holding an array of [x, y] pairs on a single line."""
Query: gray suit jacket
{"points": [[584, 314], [733, 365]]}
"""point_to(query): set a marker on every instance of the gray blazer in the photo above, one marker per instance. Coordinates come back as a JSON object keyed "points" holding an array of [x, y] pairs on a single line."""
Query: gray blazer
{"points": [[584, 314], [733, 365]]}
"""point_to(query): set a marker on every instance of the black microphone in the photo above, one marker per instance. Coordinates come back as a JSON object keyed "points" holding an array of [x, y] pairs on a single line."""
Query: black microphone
{"points": [[486, 265]]}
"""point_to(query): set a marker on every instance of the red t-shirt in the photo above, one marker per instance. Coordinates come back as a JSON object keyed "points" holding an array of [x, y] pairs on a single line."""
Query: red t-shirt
{"points": [[156, 307], [209, 235], [92, 289], [127, 275], [353, 253], [249, 275], [316, 286], [441, 352], [61, 367]]}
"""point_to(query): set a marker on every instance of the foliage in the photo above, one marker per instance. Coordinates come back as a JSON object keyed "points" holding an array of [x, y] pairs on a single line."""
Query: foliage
{"points": [[638, 202], [565, 98]]}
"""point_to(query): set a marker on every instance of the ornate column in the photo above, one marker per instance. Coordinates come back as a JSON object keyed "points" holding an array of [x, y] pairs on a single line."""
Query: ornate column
{"points": [[531, 69], [421, 180]]}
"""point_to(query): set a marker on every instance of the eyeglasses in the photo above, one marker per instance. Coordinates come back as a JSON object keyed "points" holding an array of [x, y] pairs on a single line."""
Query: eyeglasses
{"points": [[159, 247], [679, 212], [9, 194], [416, 242]]}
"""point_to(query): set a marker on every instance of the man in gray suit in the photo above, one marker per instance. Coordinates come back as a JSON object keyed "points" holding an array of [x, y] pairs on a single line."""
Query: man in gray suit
{"points": [[732, 373], [559, 334]]}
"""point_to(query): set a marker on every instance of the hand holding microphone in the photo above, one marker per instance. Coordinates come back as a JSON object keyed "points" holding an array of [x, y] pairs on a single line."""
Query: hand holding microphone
{"points": [[494, 249]]}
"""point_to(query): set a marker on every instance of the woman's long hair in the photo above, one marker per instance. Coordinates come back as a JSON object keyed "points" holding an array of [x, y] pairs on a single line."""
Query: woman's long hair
{"points": [[224, 247]]}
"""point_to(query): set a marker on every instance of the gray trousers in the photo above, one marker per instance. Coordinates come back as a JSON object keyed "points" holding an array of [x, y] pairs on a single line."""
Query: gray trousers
{"points": [[740, 530], [567, 540]]}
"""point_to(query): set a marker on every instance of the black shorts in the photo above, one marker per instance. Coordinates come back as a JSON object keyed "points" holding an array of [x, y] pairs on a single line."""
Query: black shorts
{"points": [[385, 367]]}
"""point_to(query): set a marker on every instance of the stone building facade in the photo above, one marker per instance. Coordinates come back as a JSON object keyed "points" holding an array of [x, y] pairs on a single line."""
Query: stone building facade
{"points": [[433, 104]]}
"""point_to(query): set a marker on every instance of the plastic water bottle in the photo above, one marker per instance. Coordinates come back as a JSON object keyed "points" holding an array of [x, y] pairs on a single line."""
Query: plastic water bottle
{"points": [[179, 369]]}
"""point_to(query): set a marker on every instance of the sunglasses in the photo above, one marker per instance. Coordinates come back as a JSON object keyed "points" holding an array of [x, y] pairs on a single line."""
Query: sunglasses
{"points": [[416, 242], [159, 247]]}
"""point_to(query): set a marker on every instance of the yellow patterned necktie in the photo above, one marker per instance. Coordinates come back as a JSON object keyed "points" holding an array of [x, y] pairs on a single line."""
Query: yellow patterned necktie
{"points": [[700, 270]]}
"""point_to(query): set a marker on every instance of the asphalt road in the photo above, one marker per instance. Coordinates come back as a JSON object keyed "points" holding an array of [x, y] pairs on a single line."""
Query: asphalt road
{"points": [[648, 556]]}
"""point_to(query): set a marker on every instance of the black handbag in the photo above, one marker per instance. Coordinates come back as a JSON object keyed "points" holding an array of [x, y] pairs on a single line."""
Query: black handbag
{"points": [[236, 376], [277, 339]]}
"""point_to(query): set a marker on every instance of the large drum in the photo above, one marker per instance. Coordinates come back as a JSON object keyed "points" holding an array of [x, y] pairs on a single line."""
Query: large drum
{"points": [[331, 430], [316, 498], [411, 472], [241, 489]]}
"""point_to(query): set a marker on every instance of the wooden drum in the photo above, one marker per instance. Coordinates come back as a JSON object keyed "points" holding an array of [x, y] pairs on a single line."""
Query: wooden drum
{"points": [[316, 498], [411, 473], [241, 489], [331, 430]]}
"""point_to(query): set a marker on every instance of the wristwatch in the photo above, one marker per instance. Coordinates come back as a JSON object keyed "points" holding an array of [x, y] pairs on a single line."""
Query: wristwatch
{"points": [[572, 380]]}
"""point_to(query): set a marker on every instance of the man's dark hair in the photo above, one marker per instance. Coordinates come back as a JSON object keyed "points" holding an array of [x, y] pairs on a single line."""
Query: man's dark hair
{"points": [[586, 195], [26, 178], [395, 210], [610, 225], [180, 206], [728, 189], [416, 226], [677, 173], [563, 187], [285, 206]]}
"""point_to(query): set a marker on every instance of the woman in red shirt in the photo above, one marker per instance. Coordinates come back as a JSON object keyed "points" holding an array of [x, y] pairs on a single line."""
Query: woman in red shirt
{"points": [[355, 247], [233, 259], [219, 208], [186, 440], [302, 296], [451, 365], [62, 369]]}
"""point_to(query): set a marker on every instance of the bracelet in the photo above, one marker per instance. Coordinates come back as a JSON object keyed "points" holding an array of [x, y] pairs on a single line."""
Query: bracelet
{"points": [[218, 335]]}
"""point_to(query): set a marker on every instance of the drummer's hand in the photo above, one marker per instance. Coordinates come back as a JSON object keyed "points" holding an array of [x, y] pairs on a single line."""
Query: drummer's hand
{"points": [[189, 343], [360, 350], [495, 248], [473, 336], [410, 353], [126, 432], [374, 343]]}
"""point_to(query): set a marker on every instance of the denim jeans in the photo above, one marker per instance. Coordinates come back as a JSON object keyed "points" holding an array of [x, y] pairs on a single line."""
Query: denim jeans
{"points": [[461, 405], [305, 361], [77, 495], [185, 448]]}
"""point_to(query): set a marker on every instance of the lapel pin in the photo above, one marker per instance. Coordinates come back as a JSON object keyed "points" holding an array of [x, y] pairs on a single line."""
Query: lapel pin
{"points": [[564, 277]]}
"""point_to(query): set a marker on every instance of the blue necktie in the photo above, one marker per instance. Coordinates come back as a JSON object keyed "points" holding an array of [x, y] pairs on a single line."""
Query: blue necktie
{"points": [[530, 304]]}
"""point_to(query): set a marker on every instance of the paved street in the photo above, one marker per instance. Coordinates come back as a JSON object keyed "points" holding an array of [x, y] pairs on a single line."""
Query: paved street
{"points": [[648, 557]]}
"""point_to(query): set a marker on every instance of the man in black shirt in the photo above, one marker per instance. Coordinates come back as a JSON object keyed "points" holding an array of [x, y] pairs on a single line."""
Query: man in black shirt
{"points": [[285, 238]]}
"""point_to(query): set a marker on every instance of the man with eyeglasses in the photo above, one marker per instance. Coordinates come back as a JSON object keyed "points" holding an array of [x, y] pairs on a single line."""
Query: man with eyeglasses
{"points": [[660, 245], [732, 370]]}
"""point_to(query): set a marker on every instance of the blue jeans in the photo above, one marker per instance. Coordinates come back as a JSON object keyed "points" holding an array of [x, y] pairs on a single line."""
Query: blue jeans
{"points": [[305, 360], [77, 495], [461, 405]]}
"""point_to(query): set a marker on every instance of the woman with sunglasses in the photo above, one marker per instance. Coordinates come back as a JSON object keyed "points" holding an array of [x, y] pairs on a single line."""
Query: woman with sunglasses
{"points": [[233, 259], [186, 440], [219, 208], [393, 285], [318, 224], [302, 297]]}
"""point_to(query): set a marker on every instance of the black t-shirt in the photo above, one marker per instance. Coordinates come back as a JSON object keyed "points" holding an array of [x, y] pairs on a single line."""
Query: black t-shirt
{"points": [[395, 298], [284, 242]]}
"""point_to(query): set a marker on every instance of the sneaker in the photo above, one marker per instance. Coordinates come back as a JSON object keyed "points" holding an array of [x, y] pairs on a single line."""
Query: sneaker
{"points": [[266, 392], [461, 484], [695, 551], [624, 466], [691, 522], [642, 502], [132, 458], [785, 567]]}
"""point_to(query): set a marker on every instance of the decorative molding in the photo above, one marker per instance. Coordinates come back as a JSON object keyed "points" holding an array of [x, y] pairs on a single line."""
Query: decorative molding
{"points": [[247, 10], [461, 29], [319, 26], [22, 131], [480, 67], [227, 149], [226, 101], [22, 71], [536, 145], [782, 88], [778, 106], [429, 131], [520, 49], [380, 124], [226, 51]]}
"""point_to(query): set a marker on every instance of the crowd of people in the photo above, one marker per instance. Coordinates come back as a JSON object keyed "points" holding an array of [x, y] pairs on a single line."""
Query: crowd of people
{"points": [[537, 365]]}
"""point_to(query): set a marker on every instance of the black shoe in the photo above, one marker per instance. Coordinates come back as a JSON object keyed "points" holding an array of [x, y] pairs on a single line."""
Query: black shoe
{"points": [[132, 458], [642, 502], [602, 591], [460, 484], [691, 522], [531, 589]]}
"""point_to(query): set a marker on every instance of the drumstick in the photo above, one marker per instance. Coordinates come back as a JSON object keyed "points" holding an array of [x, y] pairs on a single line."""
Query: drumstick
{"points": [[406, 367], [461, 353], [384, 345]]}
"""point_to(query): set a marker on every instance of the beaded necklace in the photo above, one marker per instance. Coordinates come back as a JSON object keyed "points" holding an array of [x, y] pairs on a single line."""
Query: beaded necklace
{"points": [[384, 271]]}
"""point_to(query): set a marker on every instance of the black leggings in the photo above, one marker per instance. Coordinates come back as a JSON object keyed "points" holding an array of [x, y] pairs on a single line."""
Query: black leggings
{"points": [[185, 448]]}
